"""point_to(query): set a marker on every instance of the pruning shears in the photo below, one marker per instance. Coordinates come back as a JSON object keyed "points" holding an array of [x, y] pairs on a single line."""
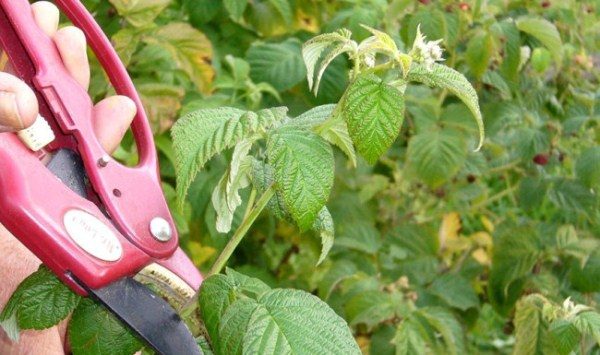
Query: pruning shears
{"points": [[97, 224]]}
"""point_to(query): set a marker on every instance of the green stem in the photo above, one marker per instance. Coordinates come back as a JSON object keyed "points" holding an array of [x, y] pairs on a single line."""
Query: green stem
{"points": [[251, 200], [335, 115], [379, 68], [250, 216], [241, 231], [494, 198]]}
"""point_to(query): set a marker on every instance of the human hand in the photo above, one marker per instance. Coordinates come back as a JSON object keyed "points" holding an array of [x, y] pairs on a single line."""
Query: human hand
{"points": [[18, 110]]}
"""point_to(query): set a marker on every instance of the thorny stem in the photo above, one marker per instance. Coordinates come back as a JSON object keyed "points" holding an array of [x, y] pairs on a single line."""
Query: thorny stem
{"points": [[250, 216]]}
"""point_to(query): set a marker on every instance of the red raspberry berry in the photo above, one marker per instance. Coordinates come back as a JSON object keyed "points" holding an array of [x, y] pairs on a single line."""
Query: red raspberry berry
{"points": [[541, 159], [464, 6], [546, 4]]}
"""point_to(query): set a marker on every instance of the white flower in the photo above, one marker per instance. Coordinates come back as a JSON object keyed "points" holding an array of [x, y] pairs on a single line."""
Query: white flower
{"points": [[369, 60], [573, 309], [427, 52], [435, 51]]}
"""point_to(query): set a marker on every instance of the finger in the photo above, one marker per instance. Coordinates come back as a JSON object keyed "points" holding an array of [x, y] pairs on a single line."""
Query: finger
{"points": [[46, 16], [112, 117], [18, 104], [72, 47]]}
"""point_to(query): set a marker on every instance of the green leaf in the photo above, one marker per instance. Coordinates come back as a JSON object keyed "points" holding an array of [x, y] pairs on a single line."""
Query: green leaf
{"points": [[226, 198], [162, 102], [126, 42], [279, 64], [311, 118], [39, 302], [235, 8], [447, 78], [233, 326], [532, 192], [455, 290], [436, 155], [356, 16], [380, 42], [202, 134], [218, 293], [140, 13], [339, 271], [95, 331], [374, 112], [285, 322], [359, 235], [494, 79], [564, 336], [338, 135], [246, 285], [545, 32], [418, 248], [333, 83], [512, 50], [215, 297], [303, 164], [445, 324], [284, 9], [263, 176], [479, 52], [588, 168], [432, 23], [516, 250], [190, 49], [324, 226], [269, 321], [408, 339], [586, 278], [382, 341], [370, 308], [202, 11], [527, 327], [571, 195], [204, 345], [333, 44], [335, 131], [588, 323]]}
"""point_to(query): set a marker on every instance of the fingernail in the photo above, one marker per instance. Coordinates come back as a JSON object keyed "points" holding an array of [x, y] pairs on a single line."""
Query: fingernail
{"points": [[9, 111]]}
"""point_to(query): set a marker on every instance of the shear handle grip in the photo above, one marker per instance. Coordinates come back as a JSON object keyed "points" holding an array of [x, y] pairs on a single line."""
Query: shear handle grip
{"points": [[132, 196]]}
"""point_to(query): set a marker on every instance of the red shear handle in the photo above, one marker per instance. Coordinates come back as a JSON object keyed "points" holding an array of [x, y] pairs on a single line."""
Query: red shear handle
{"points": [[34, 208], [132, 196]]}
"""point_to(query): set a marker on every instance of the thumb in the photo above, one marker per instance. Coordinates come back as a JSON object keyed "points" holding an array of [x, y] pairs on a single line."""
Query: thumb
{"points": [[18, 104]]}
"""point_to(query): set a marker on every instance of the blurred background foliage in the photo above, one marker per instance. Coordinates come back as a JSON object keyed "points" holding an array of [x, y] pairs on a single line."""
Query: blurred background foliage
{"points": [[434, 238]]}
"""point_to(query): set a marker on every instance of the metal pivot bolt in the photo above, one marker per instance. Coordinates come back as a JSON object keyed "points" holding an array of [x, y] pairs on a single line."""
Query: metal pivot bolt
{"points": [[103, 161], [160, 229]]}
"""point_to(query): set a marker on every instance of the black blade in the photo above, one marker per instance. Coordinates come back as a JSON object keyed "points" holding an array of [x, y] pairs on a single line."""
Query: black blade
{"points": [[68, 167], [149, 316]]}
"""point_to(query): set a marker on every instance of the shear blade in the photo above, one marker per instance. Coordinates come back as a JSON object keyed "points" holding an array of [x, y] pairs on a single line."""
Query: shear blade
{"points": [[148, 315]]}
